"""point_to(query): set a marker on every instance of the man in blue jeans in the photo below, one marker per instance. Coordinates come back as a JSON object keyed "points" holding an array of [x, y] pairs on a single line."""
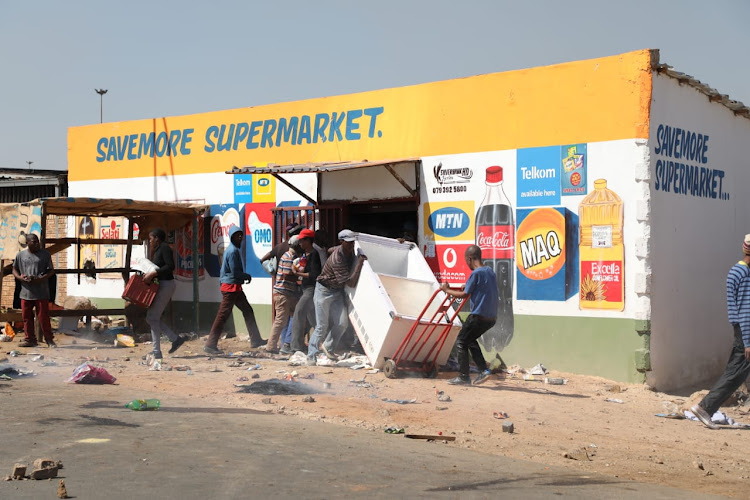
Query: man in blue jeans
{"points": [[481, 288], [340, 270]]}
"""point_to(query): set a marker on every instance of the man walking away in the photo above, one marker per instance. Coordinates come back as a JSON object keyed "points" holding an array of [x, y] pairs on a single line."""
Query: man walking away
{"points": [[231, 277], [738, 366], [481, 288], [33, 267]]}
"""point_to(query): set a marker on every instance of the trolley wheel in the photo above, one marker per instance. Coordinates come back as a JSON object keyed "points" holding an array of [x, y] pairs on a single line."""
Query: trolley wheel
{"points": [[432, 372], [389, 369]]}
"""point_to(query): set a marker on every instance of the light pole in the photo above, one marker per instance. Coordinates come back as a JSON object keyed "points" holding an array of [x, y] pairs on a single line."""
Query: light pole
{"points": [[101, 93], [29, 163]]}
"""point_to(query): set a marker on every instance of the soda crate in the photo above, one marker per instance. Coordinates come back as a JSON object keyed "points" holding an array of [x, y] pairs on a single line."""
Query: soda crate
{"points": [[138, 292]]}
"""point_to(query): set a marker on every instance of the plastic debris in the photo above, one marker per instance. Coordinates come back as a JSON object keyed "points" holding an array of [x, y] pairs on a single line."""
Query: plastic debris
{"points": [[500, 415], [88, 374], [123, 340], [400, 401], [539, 369], [394, 430], [555, 381], [144, 404], [614, 400], [254, 367]]}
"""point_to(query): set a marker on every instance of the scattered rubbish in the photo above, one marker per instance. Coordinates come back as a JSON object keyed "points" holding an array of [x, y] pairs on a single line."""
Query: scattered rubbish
{"points": [[430, 438], [373, 371], [88, 374], [615, 388], [698, 465], [255, 375], [613, 400], [123, 340], [155, 366], [214, 369], [13, 354], [254, 367], [443, 398], [48, 363], [308, 376], [400, 401], [5, 338], [354, 362], [9, 371], [143, 404], [508, 427], [539, 369], [308, 399], [580, 454], [674, 415], [182, 368], [62, 491], [555, 381], [441, 408], [299, 358], [326, 385], [276, 387], [500, 415], [531, 378], [266, 401], [189, 371], [242, 379], [394, 430], [670, 407]]}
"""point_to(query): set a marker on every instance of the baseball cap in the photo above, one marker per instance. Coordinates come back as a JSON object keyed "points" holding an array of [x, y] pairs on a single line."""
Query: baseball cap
{"points": [[347, 235], [307, 233]]}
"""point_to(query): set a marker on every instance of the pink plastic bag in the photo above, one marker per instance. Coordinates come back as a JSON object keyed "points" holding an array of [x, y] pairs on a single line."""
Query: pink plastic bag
{"points": [[88, 374]]}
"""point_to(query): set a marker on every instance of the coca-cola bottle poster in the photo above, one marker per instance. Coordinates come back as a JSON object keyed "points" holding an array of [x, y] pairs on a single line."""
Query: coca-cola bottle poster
{"points": [[217, 234]]}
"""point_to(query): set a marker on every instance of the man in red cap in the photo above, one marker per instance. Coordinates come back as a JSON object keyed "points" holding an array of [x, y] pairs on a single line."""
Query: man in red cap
{"points": [[309, 270]]}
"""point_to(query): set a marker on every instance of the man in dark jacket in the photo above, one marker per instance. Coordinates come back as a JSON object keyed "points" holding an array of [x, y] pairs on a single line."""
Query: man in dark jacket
{"points": [[232, 276]]}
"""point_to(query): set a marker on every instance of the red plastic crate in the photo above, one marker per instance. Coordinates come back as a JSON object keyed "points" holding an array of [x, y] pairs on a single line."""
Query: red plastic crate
{"points": [[138, 292]]}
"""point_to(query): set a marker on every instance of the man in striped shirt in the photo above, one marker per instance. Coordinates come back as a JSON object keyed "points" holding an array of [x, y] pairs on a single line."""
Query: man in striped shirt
{"points": [[738, 366]]}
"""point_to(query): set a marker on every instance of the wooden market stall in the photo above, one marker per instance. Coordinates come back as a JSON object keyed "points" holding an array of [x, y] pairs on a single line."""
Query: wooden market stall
{"points": [[17, 219]]}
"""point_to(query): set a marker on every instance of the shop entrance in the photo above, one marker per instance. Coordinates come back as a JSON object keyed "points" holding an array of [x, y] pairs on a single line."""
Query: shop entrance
{"points": [[389, 218]]}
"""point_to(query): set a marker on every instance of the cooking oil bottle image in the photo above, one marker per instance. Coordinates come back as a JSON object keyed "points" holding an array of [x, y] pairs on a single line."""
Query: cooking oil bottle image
{"points": [[602, 253]]}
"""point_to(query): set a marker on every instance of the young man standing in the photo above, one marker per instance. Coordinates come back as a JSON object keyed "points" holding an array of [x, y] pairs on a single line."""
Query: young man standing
{"points": [[285, 295], [738, 366], [232, 276], [33, 267], [481, 288]]}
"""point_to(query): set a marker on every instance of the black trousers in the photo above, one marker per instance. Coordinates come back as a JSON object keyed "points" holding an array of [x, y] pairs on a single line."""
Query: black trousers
{"points": [[736, 372], [466, 343], [228, 301]]}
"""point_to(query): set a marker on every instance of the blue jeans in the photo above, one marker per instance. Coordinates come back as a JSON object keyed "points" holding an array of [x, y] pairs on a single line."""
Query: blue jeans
{"points": [[330, 314], [286, 335]]}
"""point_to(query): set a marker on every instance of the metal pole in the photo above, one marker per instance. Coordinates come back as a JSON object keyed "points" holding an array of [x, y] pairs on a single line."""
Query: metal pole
{"points": [[196, 269], [101, 93]]}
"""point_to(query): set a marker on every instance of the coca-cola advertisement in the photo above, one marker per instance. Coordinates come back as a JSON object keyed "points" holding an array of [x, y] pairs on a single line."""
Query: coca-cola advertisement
{"points": [[217, 241]]}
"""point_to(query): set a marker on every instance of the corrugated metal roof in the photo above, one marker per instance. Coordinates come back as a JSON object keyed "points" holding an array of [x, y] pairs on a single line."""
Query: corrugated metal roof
{"points": [[713, 95], [317, 167]]}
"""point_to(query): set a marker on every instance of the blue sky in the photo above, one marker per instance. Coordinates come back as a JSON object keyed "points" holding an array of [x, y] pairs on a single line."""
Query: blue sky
{"points": [[166, 58]]}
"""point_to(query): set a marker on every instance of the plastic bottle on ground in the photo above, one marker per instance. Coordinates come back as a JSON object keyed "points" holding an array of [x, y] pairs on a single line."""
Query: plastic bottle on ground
{"points": [[144, 404]]}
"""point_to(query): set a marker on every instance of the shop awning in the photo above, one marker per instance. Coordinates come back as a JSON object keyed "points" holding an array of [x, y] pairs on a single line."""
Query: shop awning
{"points": [[323, 167]]}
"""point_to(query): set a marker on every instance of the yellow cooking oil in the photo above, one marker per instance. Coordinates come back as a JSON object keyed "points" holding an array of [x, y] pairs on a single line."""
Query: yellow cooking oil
{"points": [[602, 253]]}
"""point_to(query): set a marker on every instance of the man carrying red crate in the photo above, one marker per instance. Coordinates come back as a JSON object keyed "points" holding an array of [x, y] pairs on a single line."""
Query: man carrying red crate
{"points": [[481, 289]]}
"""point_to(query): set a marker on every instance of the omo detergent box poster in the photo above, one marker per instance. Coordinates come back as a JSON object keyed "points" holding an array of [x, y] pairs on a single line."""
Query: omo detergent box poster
{"points": [[547, 254]]}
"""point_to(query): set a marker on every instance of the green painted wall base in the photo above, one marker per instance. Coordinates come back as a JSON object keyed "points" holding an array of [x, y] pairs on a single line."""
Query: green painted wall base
{"points": [[603, 347]]}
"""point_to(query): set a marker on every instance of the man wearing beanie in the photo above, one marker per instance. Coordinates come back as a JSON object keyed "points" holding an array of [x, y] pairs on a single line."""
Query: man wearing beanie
{"points": [[738, 366]]}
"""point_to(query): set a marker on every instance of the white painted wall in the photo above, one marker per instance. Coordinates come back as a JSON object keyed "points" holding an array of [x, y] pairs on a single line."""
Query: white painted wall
{"points": [[695, 240], [368, 183]]}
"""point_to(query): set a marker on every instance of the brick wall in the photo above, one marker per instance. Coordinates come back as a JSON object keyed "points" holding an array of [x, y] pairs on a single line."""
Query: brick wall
{"points": [[56, 228]]}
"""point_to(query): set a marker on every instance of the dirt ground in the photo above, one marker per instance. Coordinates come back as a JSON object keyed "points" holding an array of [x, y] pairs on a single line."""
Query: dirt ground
{"points": [[553, 424]]}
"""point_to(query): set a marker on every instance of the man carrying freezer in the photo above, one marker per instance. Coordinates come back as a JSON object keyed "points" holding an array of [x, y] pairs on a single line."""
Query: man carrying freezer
{"points": [[342, 269]]}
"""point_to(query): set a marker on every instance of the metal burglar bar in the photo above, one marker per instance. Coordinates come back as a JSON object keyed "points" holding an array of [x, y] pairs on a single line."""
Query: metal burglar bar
{"points": [[329, 217]]}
